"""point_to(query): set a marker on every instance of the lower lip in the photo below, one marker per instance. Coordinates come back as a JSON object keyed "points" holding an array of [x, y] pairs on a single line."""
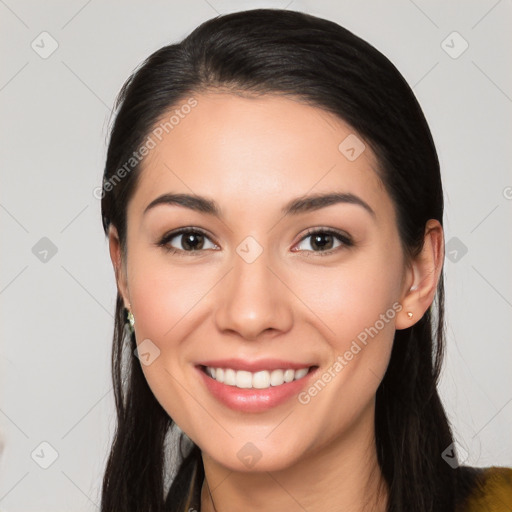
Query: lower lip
{"points": [[254, 400]]}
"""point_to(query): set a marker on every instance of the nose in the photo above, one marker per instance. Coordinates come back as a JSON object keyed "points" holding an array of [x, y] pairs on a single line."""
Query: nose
{"points": [[254, 300]]}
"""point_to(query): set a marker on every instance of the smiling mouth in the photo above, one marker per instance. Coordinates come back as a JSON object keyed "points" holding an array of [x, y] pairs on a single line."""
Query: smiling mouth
{"points": [[263, 379]]}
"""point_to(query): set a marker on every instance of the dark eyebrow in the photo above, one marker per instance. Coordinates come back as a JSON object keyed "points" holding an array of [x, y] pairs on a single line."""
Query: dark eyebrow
{"points": [[316, 201], [191, 201], [295, 207]]}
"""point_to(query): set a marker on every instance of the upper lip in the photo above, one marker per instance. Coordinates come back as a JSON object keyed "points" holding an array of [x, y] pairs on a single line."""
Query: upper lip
{"points": [[254, 366]]}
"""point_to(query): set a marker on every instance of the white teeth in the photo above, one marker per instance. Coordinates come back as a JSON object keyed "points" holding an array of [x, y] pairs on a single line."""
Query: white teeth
{"points": [[258, 380], [301, 373], [289, 375], [243, 379], [276, 377], [261, 380], [229, 377]]}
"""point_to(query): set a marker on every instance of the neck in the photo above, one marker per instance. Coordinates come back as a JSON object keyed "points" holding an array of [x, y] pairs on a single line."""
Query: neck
{"points": [[342, 475]]}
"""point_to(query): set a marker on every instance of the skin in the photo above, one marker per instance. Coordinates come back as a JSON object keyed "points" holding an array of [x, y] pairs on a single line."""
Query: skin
{"points": [[253, 155]]}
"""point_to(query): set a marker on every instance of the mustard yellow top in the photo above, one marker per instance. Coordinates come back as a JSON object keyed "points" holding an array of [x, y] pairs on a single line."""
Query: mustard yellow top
{"points": [[492, 492]]}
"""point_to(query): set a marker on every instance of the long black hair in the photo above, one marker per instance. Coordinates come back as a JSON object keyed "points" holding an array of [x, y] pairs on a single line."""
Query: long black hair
{"points": [[310, 59]]}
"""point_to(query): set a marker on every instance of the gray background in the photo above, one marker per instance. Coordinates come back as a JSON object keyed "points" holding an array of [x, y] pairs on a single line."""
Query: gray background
{"points": [[57, 309]]}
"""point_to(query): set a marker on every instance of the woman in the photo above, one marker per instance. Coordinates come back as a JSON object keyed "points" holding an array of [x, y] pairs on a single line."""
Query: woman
{"points": [[273, 203]]}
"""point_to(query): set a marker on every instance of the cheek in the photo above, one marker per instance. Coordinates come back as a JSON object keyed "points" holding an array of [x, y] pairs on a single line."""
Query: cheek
{"points": [[163, 299], [352, 297], [354, 306], [162, 295], [358, 304]]}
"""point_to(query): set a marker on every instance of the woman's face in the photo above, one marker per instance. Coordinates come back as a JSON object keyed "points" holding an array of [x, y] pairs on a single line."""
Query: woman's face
{"points": [[252, 289]]}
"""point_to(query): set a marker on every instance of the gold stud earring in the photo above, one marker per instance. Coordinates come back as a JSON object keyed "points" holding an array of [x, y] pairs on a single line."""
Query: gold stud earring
{"points": [[131, 319], [409, 314]]}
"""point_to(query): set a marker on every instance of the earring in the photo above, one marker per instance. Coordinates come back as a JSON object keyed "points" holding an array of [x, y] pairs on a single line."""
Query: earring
{"points": [[409, 314], [131, 320]]}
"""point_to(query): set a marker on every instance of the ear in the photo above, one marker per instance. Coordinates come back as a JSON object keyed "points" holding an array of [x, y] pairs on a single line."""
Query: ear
{"points": [[119, 264], [420, 283]]}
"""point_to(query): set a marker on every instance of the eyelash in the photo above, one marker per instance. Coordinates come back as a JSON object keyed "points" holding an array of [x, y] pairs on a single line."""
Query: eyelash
{"points": [[343, 238]]}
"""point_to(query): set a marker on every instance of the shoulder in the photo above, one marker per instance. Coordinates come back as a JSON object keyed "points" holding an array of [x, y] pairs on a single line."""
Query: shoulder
{"points": [[490, 491]]}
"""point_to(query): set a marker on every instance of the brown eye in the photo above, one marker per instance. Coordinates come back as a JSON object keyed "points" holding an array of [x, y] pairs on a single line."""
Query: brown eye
{"points": [[323, 241], [186, 240]]}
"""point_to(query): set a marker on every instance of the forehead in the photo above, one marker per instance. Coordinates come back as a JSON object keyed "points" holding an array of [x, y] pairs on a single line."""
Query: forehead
{"points": [[256, 153]]}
